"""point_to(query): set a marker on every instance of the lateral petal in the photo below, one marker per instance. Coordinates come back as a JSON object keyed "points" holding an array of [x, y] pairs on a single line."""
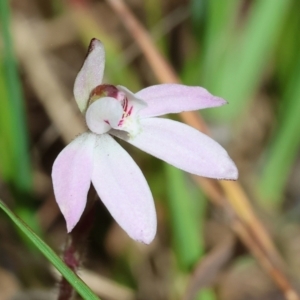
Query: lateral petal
{"points": [[103, 114], [90, 75], [71, 176], [183, 147], [174, 98], [123, 189]]}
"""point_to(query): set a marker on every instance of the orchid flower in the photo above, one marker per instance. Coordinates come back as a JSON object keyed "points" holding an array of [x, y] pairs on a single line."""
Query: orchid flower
{"points": [[94, 156]]}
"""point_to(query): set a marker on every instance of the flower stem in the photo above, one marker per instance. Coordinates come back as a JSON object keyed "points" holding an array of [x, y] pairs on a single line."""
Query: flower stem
{"points": [[73, 252]]}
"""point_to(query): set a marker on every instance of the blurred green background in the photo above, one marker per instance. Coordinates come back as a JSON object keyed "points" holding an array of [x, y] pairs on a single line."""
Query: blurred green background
{"points": [[244, 51]]}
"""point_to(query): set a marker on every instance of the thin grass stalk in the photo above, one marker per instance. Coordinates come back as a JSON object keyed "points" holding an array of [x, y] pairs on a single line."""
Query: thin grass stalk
{"points": [[248, 55]]}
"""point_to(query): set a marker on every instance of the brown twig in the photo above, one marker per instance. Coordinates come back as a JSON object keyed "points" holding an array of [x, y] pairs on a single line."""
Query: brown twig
{"points": [[244, 222]]}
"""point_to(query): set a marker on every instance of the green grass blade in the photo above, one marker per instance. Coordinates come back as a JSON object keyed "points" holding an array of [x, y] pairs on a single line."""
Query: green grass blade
{"points": [[214, 24], [219, 35], [239, 80], [206, 294], [284, 149], [71, 277], [19, 148], [288, 47], [186, 217], [236, 52], [7, 162]]}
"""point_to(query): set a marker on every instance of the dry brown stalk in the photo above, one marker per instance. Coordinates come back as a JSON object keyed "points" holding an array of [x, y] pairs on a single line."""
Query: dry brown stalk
{"points": [[243, 221], [47, 87]]}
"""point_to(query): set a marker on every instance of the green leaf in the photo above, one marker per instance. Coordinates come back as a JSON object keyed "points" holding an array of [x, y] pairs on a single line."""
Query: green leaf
{"points": [[70, 276]]}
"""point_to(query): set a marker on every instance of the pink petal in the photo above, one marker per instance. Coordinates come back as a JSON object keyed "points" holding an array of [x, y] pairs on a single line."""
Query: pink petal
{"points": [[103, 114], [90, 75], [174, 98], [122, 187], [71, 176], [183, 147]]}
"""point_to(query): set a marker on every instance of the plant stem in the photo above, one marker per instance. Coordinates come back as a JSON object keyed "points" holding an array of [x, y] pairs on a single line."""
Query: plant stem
{"points": [[74, 248]]}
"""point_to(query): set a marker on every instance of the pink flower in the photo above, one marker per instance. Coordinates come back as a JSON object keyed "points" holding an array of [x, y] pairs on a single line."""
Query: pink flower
{"points": [[96, 157]]}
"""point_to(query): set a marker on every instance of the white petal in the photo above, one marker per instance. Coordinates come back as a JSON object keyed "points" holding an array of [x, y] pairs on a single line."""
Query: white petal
{"points": [[183, 147], [137, 103], [90, 75], [103, 114], [174, 98], [71, 175], [123, 189]]}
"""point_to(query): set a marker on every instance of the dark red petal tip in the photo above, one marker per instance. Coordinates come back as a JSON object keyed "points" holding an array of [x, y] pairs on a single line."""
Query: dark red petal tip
{"points": [[92, 45]]}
